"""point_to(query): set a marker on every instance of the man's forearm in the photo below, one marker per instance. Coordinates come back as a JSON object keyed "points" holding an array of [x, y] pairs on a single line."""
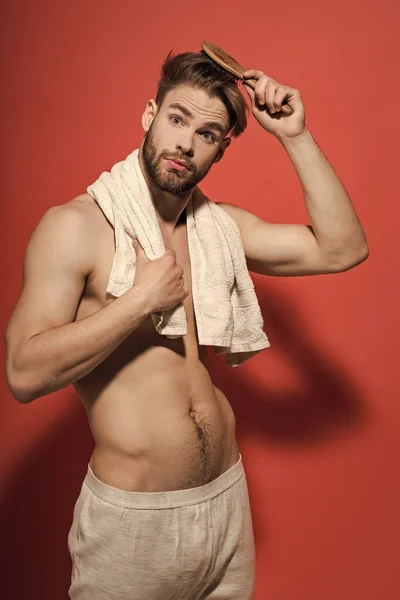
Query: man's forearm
{"points": [[55, 358], [332, 215]]}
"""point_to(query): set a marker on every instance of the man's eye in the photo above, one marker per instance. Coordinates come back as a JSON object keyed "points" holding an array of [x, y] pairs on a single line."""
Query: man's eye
{"points": [[210, 134], [175, 117]]}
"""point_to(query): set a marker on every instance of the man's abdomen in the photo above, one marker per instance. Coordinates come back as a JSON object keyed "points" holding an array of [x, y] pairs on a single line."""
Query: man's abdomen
{"points": [[160, 424]]}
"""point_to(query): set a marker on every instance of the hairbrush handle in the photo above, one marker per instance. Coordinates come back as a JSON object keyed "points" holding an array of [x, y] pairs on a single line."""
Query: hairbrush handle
{"points": [[288, 110]]}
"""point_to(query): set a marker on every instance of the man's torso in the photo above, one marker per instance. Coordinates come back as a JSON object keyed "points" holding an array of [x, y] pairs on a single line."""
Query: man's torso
{"points": [[158, 421]]}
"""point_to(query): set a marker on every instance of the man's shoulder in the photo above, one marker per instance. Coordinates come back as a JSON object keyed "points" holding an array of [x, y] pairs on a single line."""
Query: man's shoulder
{"points": [[82, 204], [82, 211], [76, 223], [235, 212]]}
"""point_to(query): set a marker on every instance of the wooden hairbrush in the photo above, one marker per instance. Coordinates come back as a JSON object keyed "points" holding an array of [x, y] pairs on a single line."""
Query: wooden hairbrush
{"points": [[224, 61]]}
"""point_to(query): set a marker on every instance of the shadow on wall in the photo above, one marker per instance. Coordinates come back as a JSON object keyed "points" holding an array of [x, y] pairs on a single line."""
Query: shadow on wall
{"points": [[328, 406], [36, 512]]}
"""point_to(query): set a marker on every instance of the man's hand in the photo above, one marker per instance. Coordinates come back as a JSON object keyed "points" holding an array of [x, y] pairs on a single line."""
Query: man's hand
{"points": [[159, 280], [266, 101]]}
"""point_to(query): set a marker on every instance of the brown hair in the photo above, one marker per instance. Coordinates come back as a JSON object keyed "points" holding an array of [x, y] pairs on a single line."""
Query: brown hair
{"points": [[199, 71]]}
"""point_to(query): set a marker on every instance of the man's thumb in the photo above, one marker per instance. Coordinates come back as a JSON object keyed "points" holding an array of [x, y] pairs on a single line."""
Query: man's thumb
{"points": [[139, 250], [249, 90]]}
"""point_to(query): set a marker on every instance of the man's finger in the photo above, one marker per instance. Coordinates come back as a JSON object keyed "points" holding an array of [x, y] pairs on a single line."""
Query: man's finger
{"points": [[252, 74]]}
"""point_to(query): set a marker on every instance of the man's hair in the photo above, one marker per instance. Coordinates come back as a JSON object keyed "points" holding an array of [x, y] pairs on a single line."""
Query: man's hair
{"points": [[195, 69]]}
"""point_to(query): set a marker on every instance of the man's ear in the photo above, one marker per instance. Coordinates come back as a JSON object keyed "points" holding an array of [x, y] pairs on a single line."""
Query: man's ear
{"points": [[225, 143], [149, 114]]}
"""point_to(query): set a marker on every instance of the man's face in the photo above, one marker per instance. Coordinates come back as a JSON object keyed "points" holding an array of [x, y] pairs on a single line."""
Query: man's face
{"points": [[189, 126]]}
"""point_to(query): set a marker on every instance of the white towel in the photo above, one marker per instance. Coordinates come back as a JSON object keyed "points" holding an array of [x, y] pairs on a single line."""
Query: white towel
{"points": [[225, 305]]}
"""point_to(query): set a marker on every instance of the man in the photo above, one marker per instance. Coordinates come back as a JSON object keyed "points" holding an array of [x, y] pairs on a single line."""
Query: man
{"points": [[164, 509]]}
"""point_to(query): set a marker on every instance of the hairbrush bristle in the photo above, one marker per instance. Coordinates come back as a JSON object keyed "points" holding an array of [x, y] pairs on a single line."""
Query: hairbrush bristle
{"points": [[218, 67]]}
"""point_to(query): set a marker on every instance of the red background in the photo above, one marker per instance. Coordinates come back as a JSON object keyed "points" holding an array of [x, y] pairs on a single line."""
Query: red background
{"points": [[317, 413]]}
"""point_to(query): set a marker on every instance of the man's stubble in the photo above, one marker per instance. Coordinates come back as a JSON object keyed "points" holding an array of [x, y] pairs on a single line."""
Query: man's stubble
{"points": [[170, 181]]}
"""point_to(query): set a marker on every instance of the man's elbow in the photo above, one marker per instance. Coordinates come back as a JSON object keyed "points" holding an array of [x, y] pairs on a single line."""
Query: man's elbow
{"points": [[20, 389], [21, 395], [349, 261]]}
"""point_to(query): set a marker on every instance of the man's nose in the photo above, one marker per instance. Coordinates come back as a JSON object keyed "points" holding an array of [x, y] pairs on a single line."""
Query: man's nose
{"points": [[185, 145]]}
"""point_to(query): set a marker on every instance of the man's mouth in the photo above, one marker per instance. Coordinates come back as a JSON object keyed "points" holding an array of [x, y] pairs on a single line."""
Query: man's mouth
{"points": [[178, 164]]}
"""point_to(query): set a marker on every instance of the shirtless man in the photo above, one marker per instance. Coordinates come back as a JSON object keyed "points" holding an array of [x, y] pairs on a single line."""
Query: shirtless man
{"points": [[164, 433]]}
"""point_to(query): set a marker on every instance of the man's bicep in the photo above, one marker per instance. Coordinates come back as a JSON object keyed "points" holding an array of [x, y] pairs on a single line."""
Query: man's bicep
{"points": [[284, 249], [278, 248], [56, 263]]}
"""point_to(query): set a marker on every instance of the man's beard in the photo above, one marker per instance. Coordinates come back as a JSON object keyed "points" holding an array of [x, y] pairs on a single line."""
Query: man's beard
{"points": [[170, 181]]}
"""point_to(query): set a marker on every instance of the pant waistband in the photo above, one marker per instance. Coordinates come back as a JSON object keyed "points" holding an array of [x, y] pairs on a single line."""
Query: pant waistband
{"points": [[165, 499]]}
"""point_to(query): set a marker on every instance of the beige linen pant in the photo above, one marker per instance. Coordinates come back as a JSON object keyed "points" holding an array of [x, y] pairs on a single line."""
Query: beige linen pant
{"points": [[176, 545]]}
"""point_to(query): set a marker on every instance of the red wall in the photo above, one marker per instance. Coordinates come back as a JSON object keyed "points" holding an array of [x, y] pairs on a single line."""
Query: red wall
{"points": [[318, 413]]}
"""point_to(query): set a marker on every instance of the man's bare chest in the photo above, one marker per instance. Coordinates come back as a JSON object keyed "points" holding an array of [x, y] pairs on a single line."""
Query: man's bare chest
{"points": [[95, 294]]}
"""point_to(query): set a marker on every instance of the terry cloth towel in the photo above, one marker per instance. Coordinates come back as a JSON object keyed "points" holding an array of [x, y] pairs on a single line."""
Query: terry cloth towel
{"points": [[225, 305]]}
